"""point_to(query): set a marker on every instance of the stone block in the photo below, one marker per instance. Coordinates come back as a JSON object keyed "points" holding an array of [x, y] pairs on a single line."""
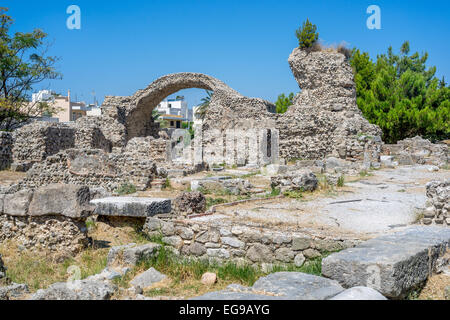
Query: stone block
{"points": [[359, 293], [148, 279], [131, 206], [17, 204], [392, 264], [131, 254], [61, 199]]}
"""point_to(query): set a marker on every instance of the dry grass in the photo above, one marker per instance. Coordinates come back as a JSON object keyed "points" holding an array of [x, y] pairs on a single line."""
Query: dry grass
{"points": [[39, 269], [7, 177], [435, 288]]}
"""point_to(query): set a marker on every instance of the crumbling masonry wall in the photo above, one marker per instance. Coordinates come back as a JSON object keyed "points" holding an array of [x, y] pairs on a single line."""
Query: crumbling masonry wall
{"points": [[6, 144]]}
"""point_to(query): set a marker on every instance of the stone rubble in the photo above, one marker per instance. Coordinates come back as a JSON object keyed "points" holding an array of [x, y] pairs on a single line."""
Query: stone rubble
{"points": [[438, 203], [303, 180], [129, 255], [148, 279], [189, 203], [76, 290]]}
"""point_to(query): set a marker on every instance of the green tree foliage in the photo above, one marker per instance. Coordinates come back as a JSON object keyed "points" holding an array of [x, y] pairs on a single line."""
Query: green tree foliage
{"points": [[401, 95], [307, 34], [23, 63], [201, 112], [283, 102]]}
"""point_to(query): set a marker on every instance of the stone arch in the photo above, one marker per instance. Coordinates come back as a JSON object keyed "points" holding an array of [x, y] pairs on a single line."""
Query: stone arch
{"points": [[138, 115]]}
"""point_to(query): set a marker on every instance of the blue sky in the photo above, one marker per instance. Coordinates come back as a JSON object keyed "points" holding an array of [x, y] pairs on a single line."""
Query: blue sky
{"points": [[125, 45]]}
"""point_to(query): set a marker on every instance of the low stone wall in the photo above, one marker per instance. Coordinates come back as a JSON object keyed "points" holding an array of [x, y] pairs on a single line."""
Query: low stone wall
{"points": [[418, 150], [223, 240], [5, 150], [438, 203]]}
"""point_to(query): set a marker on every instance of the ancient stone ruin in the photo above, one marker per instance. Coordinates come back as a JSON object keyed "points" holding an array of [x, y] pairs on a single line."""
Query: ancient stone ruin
{"points": [[253, 187]]}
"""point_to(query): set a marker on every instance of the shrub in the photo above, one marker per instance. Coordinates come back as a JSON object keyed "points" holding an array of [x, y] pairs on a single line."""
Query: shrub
{"points": [[344, 50], [307, 35]]}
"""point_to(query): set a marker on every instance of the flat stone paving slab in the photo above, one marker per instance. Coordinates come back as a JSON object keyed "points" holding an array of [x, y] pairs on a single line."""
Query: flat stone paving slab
{"points": [[393, 264], [280, 286], [131, 206]]}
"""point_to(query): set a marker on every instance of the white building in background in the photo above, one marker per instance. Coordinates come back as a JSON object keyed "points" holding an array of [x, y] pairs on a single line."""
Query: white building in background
{"points": [[175, 107], [66, 109], [197, 120]]}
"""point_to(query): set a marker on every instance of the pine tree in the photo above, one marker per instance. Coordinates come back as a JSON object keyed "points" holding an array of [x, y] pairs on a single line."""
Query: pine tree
{"points": [[307, 35], [402, 96]]}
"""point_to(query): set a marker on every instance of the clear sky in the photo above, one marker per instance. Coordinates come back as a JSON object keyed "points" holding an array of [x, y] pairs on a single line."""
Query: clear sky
{"points": [[125, 45]]}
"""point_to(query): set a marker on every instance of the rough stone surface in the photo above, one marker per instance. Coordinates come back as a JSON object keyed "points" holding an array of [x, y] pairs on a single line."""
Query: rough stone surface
{"points": [[221, 240], [94, 168], [6, 144], [17, 204], [438, 209], [2, 268], [391, 264], [13, 290], [281, 286], [189, 202], [148, 279], [131, 254], [131, 206], [76, 290], [63, 237], [61, 199], [359, 293], [418, 151], [209, 278], [303, 180]]}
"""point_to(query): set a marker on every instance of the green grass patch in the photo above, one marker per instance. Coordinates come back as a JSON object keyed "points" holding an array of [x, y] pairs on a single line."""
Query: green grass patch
{"points": [[293, 194], [214, 201]]}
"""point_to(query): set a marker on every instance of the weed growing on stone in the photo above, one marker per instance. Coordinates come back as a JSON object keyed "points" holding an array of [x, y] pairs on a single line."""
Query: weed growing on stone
{"points": [[365, 173], [126, 188], [341, 181], [167, 185], [275, 192]]}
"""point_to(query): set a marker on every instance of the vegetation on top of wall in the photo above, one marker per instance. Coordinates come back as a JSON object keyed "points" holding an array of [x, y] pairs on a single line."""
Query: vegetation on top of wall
{"points": [[283, 102], [307, 35], [401, 95]]}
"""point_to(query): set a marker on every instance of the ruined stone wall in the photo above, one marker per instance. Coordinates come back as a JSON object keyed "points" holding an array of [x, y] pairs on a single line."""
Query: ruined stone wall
{"points": [[6, 143], [48, 218], [38, 140], [324, 119], [92, 167], [418, 151], [438, 203], [147, 148], [223, 241]]}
